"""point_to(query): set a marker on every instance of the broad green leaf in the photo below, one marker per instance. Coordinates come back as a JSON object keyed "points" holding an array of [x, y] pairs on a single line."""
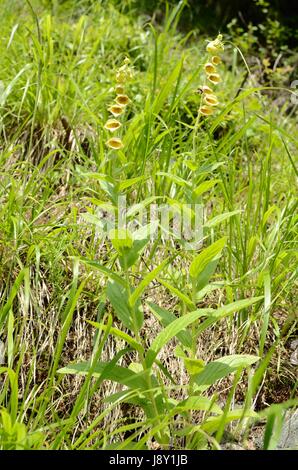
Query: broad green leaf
{"points": [[165, 318], [118, 374], [221, 218], [236, 306], [206, 186], [176, 179], [145, 232], [273, 431], [204, 277], [172, 330], [207, 168], [120, 334], [130, 182], [129, 258], [213, 422], [222, 367], [178, 293], [121, 239], [117, 295], [202, 260], [109, 188], [145, 282], [107, 272], [141, 398], [197, 439], [225, 311], [138, 398], [140, 239], [197, 403], [193, 365], [119, 298]]}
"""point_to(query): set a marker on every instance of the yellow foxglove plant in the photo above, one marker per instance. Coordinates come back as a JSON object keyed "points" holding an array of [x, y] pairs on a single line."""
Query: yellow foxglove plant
{"points": [[210, 101], [123, 74], [115, 143], [112, 125]]}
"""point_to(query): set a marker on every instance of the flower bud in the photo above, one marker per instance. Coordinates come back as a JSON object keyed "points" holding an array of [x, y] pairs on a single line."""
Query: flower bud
{"points": [[215, 46], [119, 89]]}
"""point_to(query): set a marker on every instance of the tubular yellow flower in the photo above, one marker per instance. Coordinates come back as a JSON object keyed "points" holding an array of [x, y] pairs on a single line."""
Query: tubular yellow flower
{"points": [[115, 143], [124, 73], [211, 48], [116, 110], [122, 100], [216, 60], [215, 46], [209, 68], [205, 110], [119, 89], [214, 78], [207, 90], [112, 125], [211, 100], [120, 76]]}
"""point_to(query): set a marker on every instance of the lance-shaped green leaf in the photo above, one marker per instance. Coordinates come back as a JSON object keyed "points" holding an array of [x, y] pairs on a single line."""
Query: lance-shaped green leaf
{"points": [[192, 365], [140, 239], [225, 311], [212, 424], [197, 403], [202, 260], [119, 298], [145, 282], [172, 330], [121, 375], [107, 272], [220, 218], [185, 299], [120, 334], [222, 367], [206, 186], [165, 318]]}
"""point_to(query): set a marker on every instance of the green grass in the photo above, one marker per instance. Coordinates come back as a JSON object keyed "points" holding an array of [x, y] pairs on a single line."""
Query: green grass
{"points": [[140, 344]]}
